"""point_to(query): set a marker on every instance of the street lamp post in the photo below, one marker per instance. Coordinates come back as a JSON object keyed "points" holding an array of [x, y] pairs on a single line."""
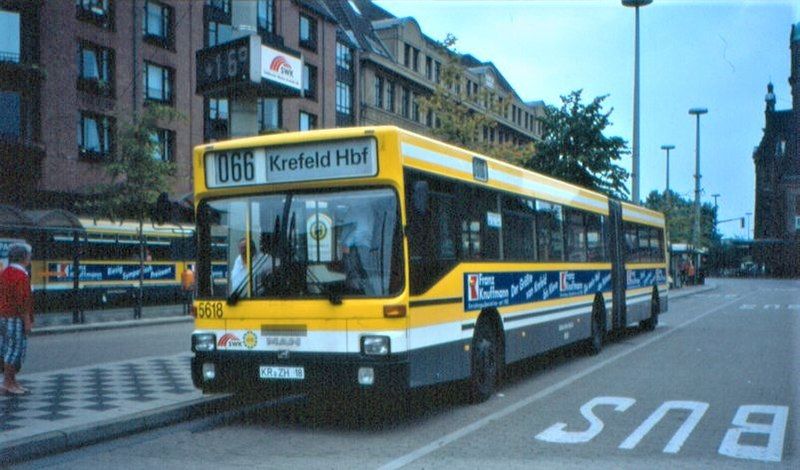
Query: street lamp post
{"points": [[696, 232], [635, 146], [668, 148]]}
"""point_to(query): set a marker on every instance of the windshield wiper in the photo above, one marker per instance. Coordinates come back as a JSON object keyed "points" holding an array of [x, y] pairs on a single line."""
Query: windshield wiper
{"points": [[334, 295]]}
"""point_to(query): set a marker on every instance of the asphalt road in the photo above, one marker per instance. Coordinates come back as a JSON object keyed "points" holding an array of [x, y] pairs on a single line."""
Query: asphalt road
{"points": [[716, 385]]}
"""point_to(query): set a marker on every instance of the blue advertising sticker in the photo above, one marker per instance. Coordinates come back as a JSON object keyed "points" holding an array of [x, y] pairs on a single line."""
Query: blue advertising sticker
{"points": [[483, 290], [111, 272]]}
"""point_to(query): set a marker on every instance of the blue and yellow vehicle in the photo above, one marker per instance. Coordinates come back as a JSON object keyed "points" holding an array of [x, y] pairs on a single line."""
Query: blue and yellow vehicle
{"points": [[378, 259]]}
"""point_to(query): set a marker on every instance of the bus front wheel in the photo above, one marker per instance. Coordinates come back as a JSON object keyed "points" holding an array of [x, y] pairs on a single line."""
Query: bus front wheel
{"points": [[485, 364]]}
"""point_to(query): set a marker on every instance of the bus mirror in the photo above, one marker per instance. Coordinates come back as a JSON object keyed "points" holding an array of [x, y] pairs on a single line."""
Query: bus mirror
{"points": [[420, 196]]}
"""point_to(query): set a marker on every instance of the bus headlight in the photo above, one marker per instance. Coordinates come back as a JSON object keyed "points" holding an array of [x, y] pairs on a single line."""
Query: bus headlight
{"points": [[375, 345], [204, 342]]}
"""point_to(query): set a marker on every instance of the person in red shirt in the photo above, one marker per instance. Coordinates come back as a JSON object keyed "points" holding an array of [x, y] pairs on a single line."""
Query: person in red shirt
{"points": [[16, 315]]}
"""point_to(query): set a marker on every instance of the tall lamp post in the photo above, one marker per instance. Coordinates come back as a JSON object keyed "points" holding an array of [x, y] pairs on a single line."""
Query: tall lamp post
{"points": [[635, 147], [696, 232], [668, 148]]}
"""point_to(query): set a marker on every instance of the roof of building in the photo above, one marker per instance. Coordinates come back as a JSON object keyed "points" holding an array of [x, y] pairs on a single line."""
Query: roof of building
{"points": [[319, 7], [795, 32], [356, 26]]}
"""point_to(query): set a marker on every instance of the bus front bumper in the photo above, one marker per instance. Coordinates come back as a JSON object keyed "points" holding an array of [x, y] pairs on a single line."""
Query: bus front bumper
{"points": [[232, 372]]}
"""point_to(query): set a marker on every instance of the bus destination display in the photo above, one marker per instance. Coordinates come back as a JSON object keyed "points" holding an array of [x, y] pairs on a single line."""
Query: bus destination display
{"points": [[352, 158]]}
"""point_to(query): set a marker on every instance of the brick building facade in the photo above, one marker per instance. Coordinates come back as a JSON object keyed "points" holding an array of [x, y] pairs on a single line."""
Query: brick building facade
{"points": [[777, 164]]}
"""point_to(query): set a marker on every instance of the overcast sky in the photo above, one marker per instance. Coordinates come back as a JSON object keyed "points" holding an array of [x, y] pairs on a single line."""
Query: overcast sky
{"points": [[707, 53]]}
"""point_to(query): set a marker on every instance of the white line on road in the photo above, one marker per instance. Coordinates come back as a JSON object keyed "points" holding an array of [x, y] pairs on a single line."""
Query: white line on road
{"points": [[458, 434]]}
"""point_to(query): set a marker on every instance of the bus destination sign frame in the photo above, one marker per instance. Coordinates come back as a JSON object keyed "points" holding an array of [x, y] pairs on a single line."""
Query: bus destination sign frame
{"points": [[328, 160]]}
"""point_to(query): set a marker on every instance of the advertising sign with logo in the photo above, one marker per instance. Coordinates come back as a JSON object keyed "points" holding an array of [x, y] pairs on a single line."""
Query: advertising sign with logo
{"points": [[352, 158], [483, 290], [111, 272], [638, 278], [319, 233], [282, 68]]}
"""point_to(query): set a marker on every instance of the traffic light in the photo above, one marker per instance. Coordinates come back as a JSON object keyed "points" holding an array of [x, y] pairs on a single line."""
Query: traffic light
{"points": [[742, 222]]}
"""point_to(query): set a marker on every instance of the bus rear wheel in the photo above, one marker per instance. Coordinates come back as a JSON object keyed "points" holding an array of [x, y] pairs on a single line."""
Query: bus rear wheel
{"points": [[595, 343], [485, 364], [651, 323]]}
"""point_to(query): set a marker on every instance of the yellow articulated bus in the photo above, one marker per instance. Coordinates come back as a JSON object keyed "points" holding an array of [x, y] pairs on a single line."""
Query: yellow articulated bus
{"points": [[377, 259]]}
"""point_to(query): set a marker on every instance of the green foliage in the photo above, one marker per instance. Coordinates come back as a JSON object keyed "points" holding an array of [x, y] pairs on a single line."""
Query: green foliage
{"points": [[461, 118], [135, 177], [574, 148], [680, 218]]}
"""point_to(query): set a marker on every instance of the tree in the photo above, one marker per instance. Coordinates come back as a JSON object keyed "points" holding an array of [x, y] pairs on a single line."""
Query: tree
{"points": [[459, 119], [680, 218], [136, 177], [574, 148]]}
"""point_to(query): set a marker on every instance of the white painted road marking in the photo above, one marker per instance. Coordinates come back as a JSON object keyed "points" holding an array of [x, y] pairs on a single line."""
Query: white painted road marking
{"points": [[698, 409], [773, 452], [557, 434], [459, 433], [730, 446]]}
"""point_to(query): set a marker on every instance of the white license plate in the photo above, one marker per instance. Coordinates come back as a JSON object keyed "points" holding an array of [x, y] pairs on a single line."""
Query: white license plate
{"points": [[281, 373]]}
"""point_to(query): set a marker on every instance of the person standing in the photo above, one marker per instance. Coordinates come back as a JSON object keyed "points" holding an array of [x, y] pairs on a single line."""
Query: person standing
{"points": [[16, 315]]}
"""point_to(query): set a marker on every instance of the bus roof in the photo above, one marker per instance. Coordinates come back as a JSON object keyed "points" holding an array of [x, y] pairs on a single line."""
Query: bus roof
{"points": [[453, 161]]}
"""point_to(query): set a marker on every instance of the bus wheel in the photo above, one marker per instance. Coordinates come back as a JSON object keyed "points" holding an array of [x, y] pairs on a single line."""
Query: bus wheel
{"points": [[651, 323], [595, 343], [485, 364]]}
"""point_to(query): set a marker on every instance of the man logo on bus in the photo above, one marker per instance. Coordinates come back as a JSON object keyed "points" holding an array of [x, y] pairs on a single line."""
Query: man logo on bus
{"points": [[562, 281], [472, 281]]}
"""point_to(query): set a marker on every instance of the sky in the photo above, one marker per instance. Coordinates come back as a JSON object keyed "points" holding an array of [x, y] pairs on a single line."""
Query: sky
{"points": [[714, 54]]}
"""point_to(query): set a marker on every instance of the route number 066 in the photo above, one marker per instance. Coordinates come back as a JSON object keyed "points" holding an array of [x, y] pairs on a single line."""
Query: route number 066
{"points": [[209, 310], [235, 167]]}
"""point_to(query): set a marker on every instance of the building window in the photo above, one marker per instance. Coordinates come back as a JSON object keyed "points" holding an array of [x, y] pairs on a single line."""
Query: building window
{"points": [[95, 135], [9, 40], [308, 32], [95, 69], [437, 72], [344, 56], [379, 92], [266, 16], [411, 57], [99, 12], [223, 6], [405, 97], [414, 110], [310, 81], [217, 33], [10, 116], [216, 125], [158, 23], [163, 141], [158, 83], [269, 114], [390, 96], [344, 101], [307, 121], [428, 68]]}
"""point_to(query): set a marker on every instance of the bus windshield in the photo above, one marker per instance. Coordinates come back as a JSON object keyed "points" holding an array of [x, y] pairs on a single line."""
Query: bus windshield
{"points": [[329, 244]]}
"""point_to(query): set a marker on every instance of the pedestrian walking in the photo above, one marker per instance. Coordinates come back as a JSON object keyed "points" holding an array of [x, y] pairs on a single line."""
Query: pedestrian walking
{"points": [[16, 315]]}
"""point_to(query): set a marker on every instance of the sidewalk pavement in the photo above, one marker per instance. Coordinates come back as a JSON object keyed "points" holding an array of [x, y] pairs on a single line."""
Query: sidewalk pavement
{"points": [[75, 407], [62, 322]]}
